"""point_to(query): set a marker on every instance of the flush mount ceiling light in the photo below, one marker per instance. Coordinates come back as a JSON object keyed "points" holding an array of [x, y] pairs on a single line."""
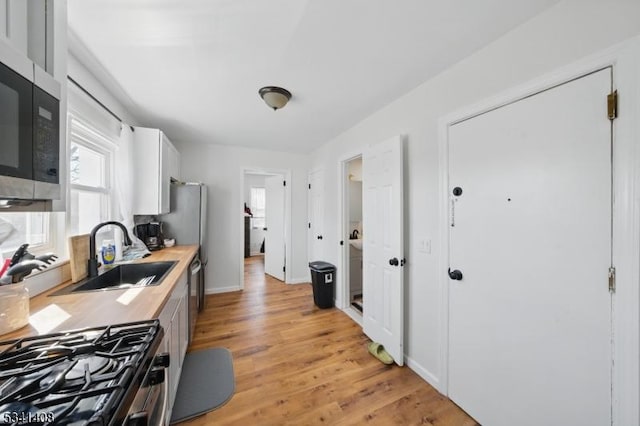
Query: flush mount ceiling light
{"points": [[275, 97]]}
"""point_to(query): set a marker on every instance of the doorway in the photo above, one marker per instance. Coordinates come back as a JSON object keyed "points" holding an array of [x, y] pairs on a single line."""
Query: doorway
{"points": [[371, 203], [265, 223], [352, 216]]}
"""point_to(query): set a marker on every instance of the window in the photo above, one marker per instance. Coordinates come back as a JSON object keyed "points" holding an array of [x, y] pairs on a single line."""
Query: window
{"points": [[18, 228], [258, 203], [90, 155]]}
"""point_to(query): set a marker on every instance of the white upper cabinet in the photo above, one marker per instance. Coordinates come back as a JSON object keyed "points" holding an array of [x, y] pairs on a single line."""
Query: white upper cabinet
{"points": [[40, 34], [13, 25], [156, 163], [28, 28]]}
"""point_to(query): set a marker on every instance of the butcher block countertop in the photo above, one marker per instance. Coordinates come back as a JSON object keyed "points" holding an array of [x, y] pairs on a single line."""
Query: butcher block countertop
{"points": [[97, 308]]}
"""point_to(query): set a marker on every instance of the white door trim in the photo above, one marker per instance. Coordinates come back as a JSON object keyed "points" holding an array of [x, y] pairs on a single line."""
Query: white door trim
{"points": [[310, 208], [342, 289], [625, 60], [286, 175]]}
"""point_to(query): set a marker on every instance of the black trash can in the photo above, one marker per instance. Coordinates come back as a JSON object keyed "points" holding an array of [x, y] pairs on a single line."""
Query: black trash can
{"points": [[322, 279]]}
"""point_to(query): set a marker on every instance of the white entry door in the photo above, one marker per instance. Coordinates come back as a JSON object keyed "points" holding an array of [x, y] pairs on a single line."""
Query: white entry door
{"points": [[530, 232], [316, 216], [274, 246], [383, 250]]}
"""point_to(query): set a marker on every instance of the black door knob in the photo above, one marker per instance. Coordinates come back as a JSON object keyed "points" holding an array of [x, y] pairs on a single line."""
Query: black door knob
{"points": [[394, 261], [455, 274]]}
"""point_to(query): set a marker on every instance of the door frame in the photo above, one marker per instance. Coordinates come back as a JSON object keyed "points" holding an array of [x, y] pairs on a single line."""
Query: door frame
{"points": [[310, 208], [625, 62], [286, 175], [342, 289]]}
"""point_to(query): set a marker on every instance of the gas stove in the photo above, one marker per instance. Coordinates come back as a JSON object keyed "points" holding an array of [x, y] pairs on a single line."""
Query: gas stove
{"points": [[109, 375]]}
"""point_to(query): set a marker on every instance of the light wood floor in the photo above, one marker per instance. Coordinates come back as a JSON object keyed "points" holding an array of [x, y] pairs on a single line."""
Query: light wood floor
{"points": [[299, 365]]}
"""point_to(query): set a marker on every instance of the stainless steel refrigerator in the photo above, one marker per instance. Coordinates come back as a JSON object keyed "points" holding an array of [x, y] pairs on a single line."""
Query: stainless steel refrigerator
{"points": [[187, 223]]}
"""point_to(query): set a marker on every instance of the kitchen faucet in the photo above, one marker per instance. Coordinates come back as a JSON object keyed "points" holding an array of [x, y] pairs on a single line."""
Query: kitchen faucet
{"points": [[93, 257]]}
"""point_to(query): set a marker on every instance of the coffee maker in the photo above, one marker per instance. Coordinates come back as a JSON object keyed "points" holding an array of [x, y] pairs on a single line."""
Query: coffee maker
{"points": [[151, 234]]}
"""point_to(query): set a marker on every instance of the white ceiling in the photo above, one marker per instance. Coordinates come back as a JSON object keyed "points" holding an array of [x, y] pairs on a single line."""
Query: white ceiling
{"points": [[194, 67]]}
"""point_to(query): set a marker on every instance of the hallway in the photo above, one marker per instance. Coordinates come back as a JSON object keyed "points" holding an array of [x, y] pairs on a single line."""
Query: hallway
{"points": [[297, 364]]}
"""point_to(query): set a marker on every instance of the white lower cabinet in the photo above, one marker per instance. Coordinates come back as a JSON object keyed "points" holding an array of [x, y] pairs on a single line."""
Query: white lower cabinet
{"points": [[174, 320], [183, 312], [355, 272]]}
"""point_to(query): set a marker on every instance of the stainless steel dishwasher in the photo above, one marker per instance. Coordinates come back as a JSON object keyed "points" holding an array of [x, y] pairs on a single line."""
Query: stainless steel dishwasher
{"points": [[195, 282]]}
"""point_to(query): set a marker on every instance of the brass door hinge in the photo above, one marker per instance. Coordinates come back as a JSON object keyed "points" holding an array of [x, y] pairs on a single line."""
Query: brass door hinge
{"points": [[612, 279], [612, 105]]}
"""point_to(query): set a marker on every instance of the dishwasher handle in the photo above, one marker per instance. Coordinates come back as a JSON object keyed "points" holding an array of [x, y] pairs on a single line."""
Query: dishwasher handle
{"points": [[196, 265]]}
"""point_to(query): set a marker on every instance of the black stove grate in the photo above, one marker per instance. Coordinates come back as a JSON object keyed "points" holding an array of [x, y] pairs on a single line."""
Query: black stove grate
{"points": [[81, 377]]}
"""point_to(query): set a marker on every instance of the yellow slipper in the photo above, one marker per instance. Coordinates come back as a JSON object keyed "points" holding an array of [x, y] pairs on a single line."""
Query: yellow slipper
{"points": [[377, 350]]}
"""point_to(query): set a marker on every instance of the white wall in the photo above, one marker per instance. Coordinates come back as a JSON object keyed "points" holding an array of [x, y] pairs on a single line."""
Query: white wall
{"points": [[354, 195], [80, 73], [221, 168], [355, 203], [257, 234], [561, 35]]}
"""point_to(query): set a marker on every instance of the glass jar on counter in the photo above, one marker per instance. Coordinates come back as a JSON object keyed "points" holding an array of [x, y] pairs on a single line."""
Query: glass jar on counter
{"points": [[14, 307]]}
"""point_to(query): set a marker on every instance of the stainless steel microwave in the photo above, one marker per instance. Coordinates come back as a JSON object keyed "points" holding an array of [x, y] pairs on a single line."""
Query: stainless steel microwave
{"points": [[29, 137]]}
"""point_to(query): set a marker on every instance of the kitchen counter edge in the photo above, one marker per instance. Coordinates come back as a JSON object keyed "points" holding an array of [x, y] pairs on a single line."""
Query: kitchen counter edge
{"points": [[53, 314]]}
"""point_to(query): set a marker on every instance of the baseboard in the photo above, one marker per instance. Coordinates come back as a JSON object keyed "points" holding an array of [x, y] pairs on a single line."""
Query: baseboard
{"points": [[304, 280], [413, 365], [353, 314], [423, 373], [217, 290]]}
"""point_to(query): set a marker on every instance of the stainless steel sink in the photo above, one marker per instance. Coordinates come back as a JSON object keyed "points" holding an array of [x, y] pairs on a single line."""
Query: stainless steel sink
{"points": [[129, 275]]}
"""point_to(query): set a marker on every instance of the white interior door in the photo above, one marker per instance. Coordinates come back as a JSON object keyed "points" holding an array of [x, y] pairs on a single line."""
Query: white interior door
{"points": [[383, 250], [530, 320], [316, 215], [274, 246]]}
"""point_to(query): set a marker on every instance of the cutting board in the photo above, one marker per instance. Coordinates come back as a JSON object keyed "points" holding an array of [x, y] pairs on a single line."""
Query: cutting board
{"points": [[79, 256]]}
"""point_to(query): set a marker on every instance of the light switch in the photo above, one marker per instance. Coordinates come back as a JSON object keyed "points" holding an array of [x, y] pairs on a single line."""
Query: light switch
{"points": [[424, 246]]}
